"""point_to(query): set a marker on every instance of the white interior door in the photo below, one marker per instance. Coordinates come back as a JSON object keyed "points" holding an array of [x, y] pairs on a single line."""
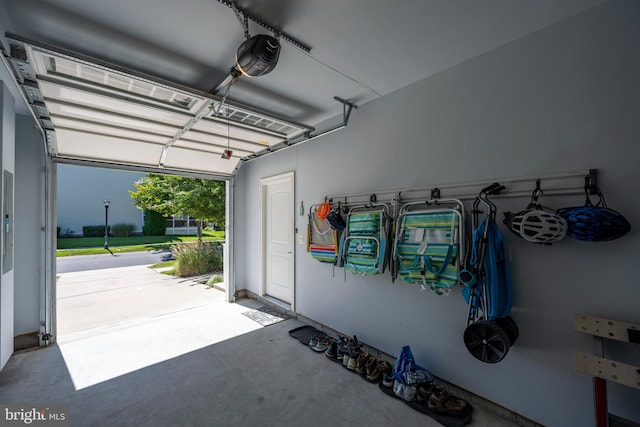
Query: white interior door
{"points": [[278, 236]]}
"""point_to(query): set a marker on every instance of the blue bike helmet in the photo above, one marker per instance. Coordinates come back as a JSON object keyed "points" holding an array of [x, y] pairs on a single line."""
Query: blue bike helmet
{"points": [[594, 223]]}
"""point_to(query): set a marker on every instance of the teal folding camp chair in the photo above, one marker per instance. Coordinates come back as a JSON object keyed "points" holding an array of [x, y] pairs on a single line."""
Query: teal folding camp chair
{"points": [[428, 244], [364, 244]]}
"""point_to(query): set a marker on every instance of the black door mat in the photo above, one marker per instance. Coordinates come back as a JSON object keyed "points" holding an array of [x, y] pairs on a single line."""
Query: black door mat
{"points": [[305, 333], [445, 420]]}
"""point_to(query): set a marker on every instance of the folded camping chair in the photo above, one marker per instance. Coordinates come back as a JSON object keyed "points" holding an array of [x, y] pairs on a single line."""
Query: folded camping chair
{"points": [[495, 297], [490, 330], [428, 244], [364, 244], [322, 240]]}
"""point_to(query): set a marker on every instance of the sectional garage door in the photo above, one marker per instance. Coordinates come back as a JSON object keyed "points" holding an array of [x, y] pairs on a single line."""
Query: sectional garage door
{"points": [[93, 112]]}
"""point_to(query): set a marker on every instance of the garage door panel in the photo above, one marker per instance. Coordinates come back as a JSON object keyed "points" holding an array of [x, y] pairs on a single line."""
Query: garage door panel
{"points": [[92, 127], [210, 126], [81, 145], [181, 158], [234, 144], [108, 118], [84, 98], [209, 148]]}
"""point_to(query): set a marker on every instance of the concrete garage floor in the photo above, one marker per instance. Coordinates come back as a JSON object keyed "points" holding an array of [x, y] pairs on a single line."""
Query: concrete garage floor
{"points": [[137, 348]]}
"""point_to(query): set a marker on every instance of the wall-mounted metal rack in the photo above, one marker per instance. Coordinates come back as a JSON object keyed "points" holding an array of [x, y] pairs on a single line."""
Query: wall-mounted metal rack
{"points": [[566, 184]]}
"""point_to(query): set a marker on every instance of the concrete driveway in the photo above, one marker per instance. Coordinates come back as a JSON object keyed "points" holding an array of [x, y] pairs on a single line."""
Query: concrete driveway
{"points": [[73, 263], [89, 299], [118, 320]]}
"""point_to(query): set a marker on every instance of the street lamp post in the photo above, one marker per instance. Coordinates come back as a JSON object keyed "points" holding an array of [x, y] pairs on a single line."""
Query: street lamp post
{"points": [[106, 223]]}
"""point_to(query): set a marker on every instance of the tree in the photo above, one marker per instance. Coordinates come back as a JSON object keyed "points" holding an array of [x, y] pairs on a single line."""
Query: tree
{"points": [[202, 199], [155, 224]]}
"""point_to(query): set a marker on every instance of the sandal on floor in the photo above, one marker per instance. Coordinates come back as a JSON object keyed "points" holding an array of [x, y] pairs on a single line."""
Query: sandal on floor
{"points": [[442, 402], [423, 391], [445, 420]]}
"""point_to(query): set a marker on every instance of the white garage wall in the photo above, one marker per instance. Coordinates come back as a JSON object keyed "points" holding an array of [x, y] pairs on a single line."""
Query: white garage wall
{"points": [[29, 206], [7, 159], [563, 99], [7, 287]]}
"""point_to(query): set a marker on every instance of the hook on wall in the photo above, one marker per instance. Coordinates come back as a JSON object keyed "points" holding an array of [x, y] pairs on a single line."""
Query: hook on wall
{"points": [[537, 192], [493, 189], [591, 182]]}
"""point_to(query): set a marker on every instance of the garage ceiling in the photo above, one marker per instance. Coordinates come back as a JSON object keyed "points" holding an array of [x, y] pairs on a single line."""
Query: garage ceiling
{"points": [[127, 82]]}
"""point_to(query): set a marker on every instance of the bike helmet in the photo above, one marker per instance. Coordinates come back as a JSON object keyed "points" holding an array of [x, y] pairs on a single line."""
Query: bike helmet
{"points": [[323, 210], [594, 223], [537, 226]]}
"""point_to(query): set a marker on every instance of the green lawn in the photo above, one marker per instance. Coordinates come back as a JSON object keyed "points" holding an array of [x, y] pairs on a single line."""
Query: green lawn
{"points": [[95, 245]]}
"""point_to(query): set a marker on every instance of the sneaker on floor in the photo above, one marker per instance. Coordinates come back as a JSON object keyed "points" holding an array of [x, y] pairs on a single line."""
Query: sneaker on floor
{"points": [[361, 363], [387, 378], [343, 351], [374, 375], [313, 341], [353, 362], [355, 347], [345, 357], [382, 371], [332, 351], [322, 344]]}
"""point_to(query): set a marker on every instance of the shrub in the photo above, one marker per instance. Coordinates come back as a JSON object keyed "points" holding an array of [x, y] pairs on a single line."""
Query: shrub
{"points": [[193, 259], [94, 230], [123, 230], [213, 280], [154, 224], [58, 229], [212, 226], [66, 233]]}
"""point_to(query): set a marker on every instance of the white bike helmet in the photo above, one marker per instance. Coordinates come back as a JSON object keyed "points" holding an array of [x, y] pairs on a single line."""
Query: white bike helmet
{"points": [[537, 226]]}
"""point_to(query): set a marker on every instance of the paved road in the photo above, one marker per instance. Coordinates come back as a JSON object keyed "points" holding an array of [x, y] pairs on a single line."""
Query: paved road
{"points": [[69, 264]]}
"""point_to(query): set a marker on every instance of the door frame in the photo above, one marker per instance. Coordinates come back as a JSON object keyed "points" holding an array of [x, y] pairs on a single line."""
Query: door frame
{"points": [[264, 183], [228, 255]]}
